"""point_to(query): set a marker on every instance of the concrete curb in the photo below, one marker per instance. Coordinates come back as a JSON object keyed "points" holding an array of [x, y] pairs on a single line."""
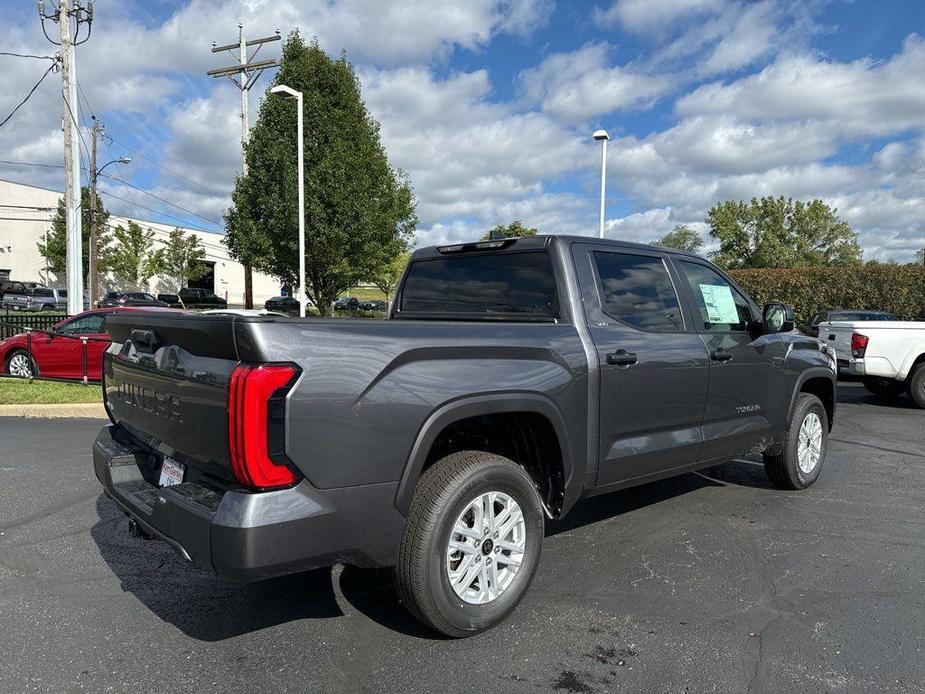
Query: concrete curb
{"points": [[92, 410]]}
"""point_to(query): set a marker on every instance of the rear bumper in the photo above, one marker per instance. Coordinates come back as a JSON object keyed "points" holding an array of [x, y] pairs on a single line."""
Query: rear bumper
{"points": [[851, 366], [252, 536]]}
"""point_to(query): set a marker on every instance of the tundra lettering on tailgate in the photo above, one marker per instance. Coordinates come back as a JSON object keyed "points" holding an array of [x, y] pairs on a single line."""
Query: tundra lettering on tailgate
{"points": [[159, 404]]}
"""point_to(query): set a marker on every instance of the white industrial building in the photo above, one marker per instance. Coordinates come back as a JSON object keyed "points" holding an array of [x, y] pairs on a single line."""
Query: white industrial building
{"points": [[25, 217]]}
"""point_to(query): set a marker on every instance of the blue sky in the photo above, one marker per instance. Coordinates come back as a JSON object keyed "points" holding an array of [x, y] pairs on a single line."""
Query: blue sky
{"points": [[489, 106]]}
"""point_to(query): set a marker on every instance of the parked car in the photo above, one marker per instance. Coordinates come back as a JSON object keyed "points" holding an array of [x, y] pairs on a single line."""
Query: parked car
{"points": [[243, 312], [56, 353], [374, 306], [113, 299], [286, 304], [812, 328], [513, 379], [15, 286], [172, 300], [889, 356], [36, 299], [347, 303], [201, 298]]}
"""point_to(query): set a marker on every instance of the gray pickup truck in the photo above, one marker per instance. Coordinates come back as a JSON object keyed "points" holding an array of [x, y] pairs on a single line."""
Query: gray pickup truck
{"points": [[513, 379]]}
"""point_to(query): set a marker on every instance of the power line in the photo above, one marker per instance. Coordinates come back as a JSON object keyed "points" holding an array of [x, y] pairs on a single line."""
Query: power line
{"points": [[163, 214], [168, 202], [31, 92], [28, 55], [28, 163], [168, 169]]}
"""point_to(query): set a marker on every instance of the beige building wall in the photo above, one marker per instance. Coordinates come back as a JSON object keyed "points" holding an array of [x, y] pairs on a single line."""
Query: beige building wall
{"points": [[25, 217]]}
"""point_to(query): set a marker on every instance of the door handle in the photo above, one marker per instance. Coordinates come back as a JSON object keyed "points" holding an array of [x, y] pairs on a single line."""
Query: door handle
{"points": [[720, 354], [621, 358]]}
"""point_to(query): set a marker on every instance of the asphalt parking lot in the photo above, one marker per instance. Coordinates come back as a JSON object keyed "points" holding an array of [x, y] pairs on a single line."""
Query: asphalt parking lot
{"points": [[709, 582]]}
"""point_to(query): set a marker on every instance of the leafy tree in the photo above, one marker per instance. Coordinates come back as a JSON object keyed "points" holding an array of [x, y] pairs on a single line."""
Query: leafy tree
{"points": [[683, 238], [359, 211], [54, 249], [510, 231], [389, 275], [778, 232], [131, 259], [180, 261]]}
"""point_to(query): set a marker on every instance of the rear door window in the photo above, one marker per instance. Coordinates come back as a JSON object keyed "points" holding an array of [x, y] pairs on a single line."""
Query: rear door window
{"points": [[487, 284], [721, 306], [637, 290]]}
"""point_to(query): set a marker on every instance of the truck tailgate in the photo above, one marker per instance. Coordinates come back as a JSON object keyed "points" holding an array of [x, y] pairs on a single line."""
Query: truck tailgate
{"points": [[166, 383]]}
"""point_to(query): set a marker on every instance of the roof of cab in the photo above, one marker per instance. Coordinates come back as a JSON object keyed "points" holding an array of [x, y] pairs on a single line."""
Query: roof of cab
{"points": [[537, 242]]}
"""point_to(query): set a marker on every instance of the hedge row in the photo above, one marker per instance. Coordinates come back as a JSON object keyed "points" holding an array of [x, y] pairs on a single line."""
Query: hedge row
{"points": [[897, 289]]}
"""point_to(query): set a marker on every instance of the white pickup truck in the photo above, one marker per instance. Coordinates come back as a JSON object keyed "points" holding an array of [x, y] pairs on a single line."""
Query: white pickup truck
{"points": [[888, 355]]}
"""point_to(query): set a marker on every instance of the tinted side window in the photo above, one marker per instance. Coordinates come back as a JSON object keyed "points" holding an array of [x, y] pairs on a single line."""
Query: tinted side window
{"points": [[637, 290], [722, 308], [505, 283], [85, 325]]}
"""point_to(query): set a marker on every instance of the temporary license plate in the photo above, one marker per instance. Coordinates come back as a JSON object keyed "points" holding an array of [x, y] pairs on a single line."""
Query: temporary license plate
{"points": [[171, 472]]}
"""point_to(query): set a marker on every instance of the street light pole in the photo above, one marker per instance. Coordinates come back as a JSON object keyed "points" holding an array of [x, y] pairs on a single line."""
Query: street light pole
{"points": [[602, 137], [293, 94], [93, 174]]}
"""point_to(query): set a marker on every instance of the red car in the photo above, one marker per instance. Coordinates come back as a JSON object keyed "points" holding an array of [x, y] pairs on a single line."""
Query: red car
{"points": [[60, 354]]}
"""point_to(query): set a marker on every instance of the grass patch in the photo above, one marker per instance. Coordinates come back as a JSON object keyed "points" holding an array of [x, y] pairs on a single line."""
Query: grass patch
{"points": [[14, 391], [365, 294]]}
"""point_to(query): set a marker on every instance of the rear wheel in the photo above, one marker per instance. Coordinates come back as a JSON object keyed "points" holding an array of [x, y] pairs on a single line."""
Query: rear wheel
{"points": [[915, 385], [798, 465], [19, 365], [884, 387], [471, 543]]}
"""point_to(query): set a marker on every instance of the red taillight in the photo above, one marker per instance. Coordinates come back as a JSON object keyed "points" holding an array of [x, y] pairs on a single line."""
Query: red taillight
{"points": [[858, 345], [249, 398]]}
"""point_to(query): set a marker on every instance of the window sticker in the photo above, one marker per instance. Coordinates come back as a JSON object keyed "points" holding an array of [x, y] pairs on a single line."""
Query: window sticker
{"points": [[721, 307]]}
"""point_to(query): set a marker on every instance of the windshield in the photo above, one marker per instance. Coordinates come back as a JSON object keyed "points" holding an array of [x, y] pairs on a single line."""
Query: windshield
{"points": [[860, 316]]}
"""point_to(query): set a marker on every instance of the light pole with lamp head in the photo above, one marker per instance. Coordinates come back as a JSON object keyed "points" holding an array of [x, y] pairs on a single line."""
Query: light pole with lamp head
{"points": [[291, 93], [602, 137], [94, 226]]}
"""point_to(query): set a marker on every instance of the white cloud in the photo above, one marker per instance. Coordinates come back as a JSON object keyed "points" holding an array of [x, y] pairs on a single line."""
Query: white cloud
{"points": [[642, 16], [580, 84], [863, 97]]}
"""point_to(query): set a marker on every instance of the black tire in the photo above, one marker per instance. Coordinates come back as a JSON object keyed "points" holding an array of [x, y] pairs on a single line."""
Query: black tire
{"points": [[883, 387], [34, 371], [915, 385], [441, 496], [784, 469]]}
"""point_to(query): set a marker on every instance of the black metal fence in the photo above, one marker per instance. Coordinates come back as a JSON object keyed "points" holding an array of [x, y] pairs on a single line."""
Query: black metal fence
{"points": [[15, 323]]}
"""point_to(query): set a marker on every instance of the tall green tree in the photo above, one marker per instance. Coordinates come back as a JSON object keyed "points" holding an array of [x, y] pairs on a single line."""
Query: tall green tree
{"points": [[131, 259], [683, 238], [359, 211], [779, 232], [514, 230], [180, 261], [389, 275], [54, 249]]}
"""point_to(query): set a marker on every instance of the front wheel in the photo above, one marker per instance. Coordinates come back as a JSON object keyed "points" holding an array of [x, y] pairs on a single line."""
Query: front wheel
{"points": [[798, 465], [471, 543], [884, 387], [19, 365]]}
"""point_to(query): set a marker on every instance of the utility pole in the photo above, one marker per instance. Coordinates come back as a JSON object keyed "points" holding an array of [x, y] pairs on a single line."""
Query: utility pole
{"points": [[247, 75], [65, 11], [94, 255]]}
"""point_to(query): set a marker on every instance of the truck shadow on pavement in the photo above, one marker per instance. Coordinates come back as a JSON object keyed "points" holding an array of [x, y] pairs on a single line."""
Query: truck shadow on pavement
{"points": [[852, 392], [208, 608]]}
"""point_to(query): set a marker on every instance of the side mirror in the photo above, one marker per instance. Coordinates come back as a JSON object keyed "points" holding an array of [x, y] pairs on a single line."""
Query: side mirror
{"points": [[778, 318]]}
